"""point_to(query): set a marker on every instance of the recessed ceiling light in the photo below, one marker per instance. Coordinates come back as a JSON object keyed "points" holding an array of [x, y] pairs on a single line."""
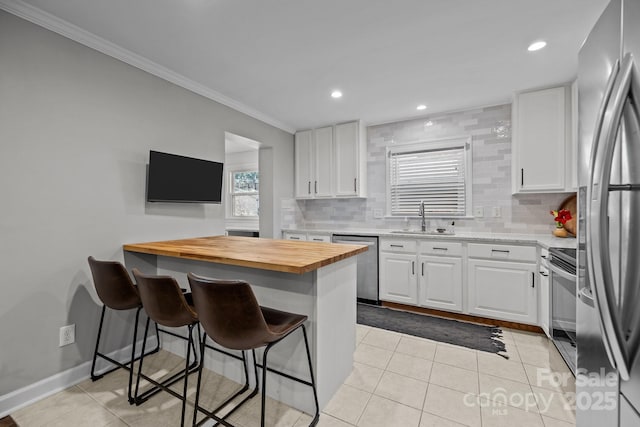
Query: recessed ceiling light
{"points": [[421, 107], [336, 94], [536, 46]]}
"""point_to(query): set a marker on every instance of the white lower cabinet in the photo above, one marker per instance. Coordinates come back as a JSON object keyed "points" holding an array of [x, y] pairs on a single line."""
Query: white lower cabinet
{"points": [[498, 281], [503, 290], [441, 283], [398, 278]]}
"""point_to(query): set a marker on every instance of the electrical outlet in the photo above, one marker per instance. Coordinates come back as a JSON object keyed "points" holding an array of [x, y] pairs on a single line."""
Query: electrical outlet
{"points": [[67, 335], [496, 212], [478, 212], [378, 214]]}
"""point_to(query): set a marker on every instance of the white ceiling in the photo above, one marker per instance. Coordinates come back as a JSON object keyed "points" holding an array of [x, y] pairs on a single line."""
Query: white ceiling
{"points": [[278, 60]]}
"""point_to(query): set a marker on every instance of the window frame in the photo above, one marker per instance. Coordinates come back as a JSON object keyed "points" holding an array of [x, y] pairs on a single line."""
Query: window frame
{"points": [[434, 145], [231, 194]]}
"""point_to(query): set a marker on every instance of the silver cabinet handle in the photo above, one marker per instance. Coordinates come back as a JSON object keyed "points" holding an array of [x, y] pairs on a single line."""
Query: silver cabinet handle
{"points": [[309, 189], [397, 246], [423, 269], [598, 258], [440, 249], [355, 184], [315, 186], [542, 273], [502, 251], [317, 240], [413, 267]]}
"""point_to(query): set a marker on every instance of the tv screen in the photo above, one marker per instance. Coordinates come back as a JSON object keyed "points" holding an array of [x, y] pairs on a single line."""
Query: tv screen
{"points": [[174, 178]]}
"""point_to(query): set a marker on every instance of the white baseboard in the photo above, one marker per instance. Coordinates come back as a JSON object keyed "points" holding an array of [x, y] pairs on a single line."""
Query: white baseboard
{"points": [[32, 393]]}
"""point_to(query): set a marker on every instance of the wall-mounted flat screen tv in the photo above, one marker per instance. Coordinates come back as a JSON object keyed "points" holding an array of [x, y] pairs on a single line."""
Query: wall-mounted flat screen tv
{"points": [[181, 179]]}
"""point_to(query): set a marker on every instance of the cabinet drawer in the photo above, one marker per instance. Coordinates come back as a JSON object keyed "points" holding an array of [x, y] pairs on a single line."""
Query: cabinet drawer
{"points": [[295, 236], [398, 245], [502, 252], [441, 248], [319, 238]]}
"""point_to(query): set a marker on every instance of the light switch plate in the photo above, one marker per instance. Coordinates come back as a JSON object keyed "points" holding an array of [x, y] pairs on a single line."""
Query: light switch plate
{"points": [[378, 214], [478, 212], [497, 212]]}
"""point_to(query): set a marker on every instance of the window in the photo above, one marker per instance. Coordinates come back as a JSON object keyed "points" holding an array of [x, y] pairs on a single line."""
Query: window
{"points": [[245, 200], [437, 172]]}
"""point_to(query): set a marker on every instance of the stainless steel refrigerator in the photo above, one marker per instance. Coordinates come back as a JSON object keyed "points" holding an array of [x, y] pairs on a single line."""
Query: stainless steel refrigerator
{"points": [[608, 307]]}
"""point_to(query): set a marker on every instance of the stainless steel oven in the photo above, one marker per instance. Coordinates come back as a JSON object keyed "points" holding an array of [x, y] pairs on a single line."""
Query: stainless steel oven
{"points": [[563, 286]]}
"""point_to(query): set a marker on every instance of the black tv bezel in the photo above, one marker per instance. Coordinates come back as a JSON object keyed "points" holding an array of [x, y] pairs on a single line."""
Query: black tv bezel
{"points": [[183, 201]]}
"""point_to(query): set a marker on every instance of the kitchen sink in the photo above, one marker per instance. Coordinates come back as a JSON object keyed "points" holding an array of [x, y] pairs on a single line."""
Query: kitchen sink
{"points": [[427, 233]]}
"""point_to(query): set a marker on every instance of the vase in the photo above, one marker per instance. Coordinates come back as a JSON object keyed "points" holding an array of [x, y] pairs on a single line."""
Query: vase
{"points": [[560, 232]]}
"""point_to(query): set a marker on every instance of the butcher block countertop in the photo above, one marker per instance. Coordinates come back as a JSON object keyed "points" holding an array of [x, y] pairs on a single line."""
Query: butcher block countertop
{"points": [[268, 254]]}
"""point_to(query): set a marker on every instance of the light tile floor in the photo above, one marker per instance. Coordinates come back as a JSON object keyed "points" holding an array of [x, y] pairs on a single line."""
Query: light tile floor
{"points": [[397, 380]]}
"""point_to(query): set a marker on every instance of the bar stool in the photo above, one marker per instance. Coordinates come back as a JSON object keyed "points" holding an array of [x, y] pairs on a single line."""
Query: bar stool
{"points": [[116, 291], [230, 314], [167, 305]]}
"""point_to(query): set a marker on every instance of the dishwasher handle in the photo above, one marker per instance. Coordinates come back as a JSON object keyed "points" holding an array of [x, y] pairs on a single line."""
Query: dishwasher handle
{"points": [[355, 242]]}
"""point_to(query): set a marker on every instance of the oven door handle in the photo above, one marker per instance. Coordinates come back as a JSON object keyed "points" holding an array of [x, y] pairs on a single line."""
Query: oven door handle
{"points": [[560, 272], [586, 297]]}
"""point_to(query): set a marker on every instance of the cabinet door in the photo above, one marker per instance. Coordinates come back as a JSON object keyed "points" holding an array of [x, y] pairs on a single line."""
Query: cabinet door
{"points": [[398, 278], [440, 283], [503, 290], [346, 159], [540, 130], [303, 165], [321, 185]]}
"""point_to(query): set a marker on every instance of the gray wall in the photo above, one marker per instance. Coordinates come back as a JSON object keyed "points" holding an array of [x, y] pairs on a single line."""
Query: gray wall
{"points": [[489, 128], [76, 127]]}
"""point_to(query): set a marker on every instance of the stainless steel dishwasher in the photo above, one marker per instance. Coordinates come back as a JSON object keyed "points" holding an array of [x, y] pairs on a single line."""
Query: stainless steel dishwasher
{"points": [[367, 266]]}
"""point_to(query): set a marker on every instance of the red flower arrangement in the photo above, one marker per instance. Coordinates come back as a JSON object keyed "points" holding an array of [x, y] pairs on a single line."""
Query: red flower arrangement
{"points": [[561, 217]]}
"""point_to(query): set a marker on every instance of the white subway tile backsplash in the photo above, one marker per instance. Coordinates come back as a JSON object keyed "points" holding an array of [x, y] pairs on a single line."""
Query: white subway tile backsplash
{"points": [[490, 129]]}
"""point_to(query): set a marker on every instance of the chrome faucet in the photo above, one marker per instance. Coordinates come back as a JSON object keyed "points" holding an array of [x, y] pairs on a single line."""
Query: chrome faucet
{"points": [[423, 224]]}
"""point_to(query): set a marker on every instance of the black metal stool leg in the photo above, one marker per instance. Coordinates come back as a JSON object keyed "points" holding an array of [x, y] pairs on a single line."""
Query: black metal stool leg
{"points": [[186, 376], [264, 383], [144, 343], [133, 355], [197, 400], [95, 377], [313, 382]]}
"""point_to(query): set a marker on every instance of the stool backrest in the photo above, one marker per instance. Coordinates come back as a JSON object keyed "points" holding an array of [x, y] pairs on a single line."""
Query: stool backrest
{"points": [[164, 301], [113, 284], [229, 312]]}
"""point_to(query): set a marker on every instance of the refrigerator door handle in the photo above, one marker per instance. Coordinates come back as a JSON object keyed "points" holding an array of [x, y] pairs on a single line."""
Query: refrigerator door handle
{"points": [[598, 256]]}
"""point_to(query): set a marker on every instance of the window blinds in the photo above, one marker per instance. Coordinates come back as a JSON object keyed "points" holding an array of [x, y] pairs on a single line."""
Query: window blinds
{"points": [[436, 176]]}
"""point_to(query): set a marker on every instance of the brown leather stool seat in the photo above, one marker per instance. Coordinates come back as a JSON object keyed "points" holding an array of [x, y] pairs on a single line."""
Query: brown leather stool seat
{"points": [[167, 305], [116, 291], [230, 314]]}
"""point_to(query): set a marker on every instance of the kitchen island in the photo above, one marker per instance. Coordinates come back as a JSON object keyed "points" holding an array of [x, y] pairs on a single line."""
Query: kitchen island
{"points": [[315, 279]]}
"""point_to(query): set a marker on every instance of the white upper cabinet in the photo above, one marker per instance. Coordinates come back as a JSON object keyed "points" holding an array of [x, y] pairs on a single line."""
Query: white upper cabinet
{"points": [[313, 158], [331, 162], [303, 166], [543, 154], [322, 158], [350, 158]]}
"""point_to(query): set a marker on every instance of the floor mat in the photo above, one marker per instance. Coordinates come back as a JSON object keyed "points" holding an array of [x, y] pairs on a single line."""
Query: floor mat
{"points": [[470, 335]]}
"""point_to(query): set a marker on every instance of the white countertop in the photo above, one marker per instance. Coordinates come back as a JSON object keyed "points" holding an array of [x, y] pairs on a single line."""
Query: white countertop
{"points": [[545, 241]]}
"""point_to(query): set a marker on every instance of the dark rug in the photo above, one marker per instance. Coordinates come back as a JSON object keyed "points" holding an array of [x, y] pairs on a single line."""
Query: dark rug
{"points": [[470, 335]]}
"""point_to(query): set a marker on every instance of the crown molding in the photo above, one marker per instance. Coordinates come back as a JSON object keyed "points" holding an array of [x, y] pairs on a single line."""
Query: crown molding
{"points": [[86, 38]]}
